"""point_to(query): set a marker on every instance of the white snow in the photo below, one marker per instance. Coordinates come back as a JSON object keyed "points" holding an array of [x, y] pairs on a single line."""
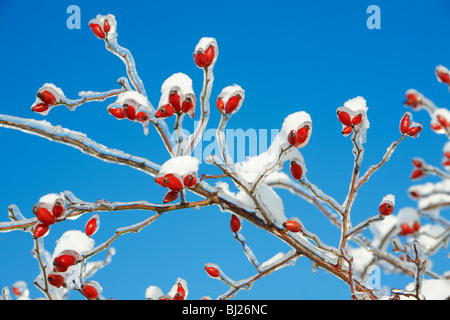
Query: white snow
{"points": [[73, 240], [133, 98], [153, 293], [179, 165], [389, 198], [204, 44], [407, 215]]}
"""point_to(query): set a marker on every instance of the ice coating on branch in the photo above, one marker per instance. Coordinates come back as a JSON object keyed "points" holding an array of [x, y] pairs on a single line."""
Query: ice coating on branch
{"points": [[431, 289], [153, 293], [73, 240], [179, 165]]}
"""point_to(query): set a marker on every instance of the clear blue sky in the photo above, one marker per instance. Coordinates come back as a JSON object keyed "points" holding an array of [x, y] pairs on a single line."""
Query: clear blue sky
{"points": [[287, 55]]}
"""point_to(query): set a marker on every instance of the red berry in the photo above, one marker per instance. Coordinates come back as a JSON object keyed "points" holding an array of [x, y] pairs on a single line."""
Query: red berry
{"points": [[56, 280], [173, 183], [44, 216], [446, 163], [412, 100], [17, 292], [165, 111], [292, 138], [405, 230], [89, 291], [47, 97], [442, 120], [235, 223], [65, 260], [347, 130], [414, 194], [416, 174], [435, 126], [117, 112], [447, 154], [417, 163], [416, 226], [200, 59], [296, 170], [129, 111], [302, 134], [161, 181], [174, 100], [40, 107], [91, 226], [181, 293], [232, 103], [212, 272], [187, 105], [292, 226], [170, 196], [357, 119], [106, 26], [445, 77], [58, 208], [386, 209], [209, 53], [344, 118], [413, 131], [97, 30], [220, 105], [141, 116], [60, 269], [405, 123], [190, 180], [41, 230]]}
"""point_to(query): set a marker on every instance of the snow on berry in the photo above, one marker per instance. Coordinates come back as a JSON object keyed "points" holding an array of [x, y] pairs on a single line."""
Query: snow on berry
{"points": [[179, 165], [177, 94], [46, 98], [408, 221], [440, 121], [442, 74], [153, 293], [353, 116], [387, 204], [206, 52], [73, 240], [231, 98], [104, 26]]}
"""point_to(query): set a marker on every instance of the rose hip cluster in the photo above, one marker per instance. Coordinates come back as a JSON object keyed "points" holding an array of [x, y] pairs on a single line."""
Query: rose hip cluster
{"points": [[47, 97], [128, 111], [409, 127], [349, 121], [48, 211]]}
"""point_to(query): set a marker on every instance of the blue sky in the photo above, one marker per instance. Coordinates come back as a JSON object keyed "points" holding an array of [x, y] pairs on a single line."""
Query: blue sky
{"points": [[287, 55]]}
